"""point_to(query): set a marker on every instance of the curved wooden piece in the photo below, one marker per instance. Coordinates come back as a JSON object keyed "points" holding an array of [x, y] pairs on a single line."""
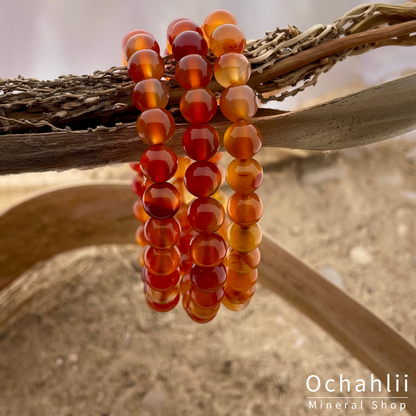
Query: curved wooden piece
{"points": [[65, 219], [377, 113]]}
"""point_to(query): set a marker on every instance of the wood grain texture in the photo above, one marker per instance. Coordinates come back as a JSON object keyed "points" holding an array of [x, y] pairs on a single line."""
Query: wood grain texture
{"points": [[69, 218], [369, 116]]}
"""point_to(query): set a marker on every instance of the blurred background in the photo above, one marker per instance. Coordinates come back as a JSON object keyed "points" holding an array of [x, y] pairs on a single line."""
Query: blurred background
{"points": [[90, 345]]}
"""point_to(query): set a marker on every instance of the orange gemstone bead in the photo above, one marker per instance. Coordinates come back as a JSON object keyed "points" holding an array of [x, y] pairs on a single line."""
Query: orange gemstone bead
{"points": [[193, 71], [145, 64], [159, 163], [206, 300], [206, 215], [185, 263], [185, 25], [155, 126], [238, 297], [203, 179], [239, 103], [131, 34], [235, 307], [139, 185], [183, 164], [161, 283], [150, 93], [217, 18], [242, 262], [185, 283], [162, 297], [140, 237], [244, 175], [208, 279], [201, 142], [161, 262], [227, 38], [200, 315], [162, 307], [185, 240], [245, 209], [241, 281], [162, 234], [244, 239], [139, 42], [198, 105], [242, 140], [161, 200], [139, 211], [232, 69], [173, 23], [189, 43], [208, 250]]}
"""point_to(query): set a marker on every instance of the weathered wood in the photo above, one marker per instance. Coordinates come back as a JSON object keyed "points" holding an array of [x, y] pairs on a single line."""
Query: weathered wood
{"points": [[66, 219], [369, 116]]}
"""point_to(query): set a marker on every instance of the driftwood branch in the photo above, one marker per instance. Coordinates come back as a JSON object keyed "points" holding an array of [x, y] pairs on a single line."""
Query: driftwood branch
{"points": [[368, 116], [101, 214]]}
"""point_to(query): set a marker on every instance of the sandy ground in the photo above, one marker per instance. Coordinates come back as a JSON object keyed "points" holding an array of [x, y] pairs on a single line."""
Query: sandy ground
{"points": [[90, 346]]}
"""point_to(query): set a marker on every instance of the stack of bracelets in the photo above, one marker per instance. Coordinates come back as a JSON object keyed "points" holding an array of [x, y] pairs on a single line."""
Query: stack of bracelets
{"points": [[185, 231]]}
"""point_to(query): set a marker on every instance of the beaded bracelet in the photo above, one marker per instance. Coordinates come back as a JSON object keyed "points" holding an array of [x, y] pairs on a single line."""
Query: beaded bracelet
{"points": [[192, 247]]}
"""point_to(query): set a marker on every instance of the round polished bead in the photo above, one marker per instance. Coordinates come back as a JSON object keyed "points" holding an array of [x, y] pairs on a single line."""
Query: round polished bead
{"points": [[239, 103], [203, 179], [139, 211], [159, 163], [131, 34], [241, 281], [244, 239], [145, 64], [161, 262], [189, 43], [139, 184], [185, 283], [208, 250], [206, 215], [244, 175], [185, 240], [208, 279], [193, 71], [206, 300], [242, 140], [232, 69], [242, 262], [227, 38], [162, 297], [239, 296], [201, 142], [201, 315], [245, 209], [150, 93], [235, 307], [162, 307], [162, 234], [161, 283], [198, 105], [161, 200], [140, 237], [183, 164], [173, 23], [139, 42], [217, 18], [155, 126], [182, 26]]}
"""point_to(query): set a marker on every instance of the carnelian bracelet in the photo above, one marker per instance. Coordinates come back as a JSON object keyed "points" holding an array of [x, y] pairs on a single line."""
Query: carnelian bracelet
{"points": [[184, 231]]}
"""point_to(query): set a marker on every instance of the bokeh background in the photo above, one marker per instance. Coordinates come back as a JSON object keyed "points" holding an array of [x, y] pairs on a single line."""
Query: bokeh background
{"points": [[90, 346]]}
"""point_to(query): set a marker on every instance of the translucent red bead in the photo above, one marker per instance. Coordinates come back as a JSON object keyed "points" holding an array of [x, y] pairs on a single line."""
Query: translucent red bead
{"points": [[227, 38], [242, 140], [203, 179], [145, 64], [161, 200], [155, 126], [139, 42], [159, 163], [239, 103], [201, 142], [189, 43], [206, 215], [208, 250], [193, 71], [162, 234], [150, 93], [198, 105]]}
